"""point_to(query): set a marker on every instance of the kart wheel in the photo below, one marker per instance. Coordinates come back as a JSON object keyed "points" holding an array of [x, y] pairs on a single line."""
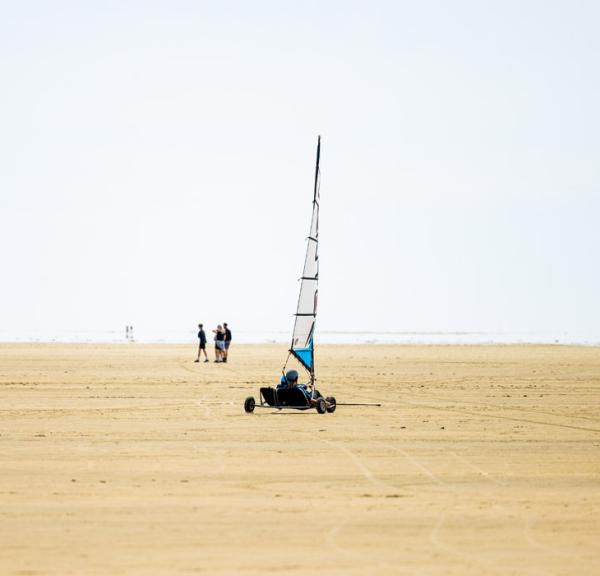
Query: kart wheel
{"points": [[321, 406], [249, 404], [331, 404]]}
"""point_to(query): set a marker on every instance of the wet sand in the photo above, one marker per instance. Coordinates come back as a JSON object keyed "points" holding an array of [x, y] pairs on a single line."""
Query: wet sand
{"points": [[132, 459]]}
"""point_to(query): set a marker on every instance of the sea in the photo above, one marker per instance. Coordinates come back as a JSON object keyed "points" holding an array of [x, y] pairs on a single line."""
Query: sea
{"points": [[178, 336]]}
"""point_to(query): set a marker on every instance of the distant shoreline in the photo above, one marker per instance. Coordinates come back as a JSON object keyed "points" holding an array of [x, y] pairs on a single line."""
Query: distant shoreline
{"points": [[177, 337]]}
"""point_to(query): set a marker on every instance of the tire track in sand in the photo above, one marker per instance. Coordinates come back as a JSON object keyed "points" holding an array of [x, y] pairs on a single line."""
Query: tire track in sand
{"points": [[202, 400], [472, 412], [482, 414], [359, 464], [435, 539], [331, 537], [526, 523], [435, 535], [532, 541], [204, 403], [423, 469], [477, 469]]}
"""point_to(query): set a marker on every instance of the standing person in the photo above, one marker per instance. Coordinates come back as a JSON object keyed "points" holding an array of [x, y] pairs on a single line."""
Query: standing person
{"points": [[201, 343], [227, 341], [219, 343]]}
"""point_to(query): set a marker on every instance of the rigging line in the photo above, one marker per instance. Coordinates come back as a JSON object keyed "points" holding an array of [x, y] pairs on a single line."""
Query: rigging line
{"points": [[286, 362]]}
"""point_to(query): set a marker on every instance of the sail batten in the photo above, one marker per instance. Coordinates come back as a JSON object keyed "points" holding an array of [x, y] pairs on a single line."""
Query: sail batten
{"points": [[306, 311]]}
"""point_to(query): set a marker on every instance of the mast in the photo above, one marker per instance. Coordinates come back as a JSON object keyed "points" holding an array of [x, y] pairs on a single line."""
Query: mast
{"points": [[317, 179], [316, 198]]}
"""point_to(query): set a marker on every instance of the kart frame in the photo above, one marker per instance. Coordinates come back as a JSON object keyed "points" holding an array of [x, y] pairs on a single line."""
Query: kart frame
{"points": [[289, 399]]}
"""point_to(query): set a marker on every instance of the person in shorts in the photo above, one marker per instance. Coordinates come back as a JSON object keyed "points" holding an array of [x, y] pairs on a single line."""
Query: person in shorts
{"points": [[227, 341], [219, 343], [201, 343]]}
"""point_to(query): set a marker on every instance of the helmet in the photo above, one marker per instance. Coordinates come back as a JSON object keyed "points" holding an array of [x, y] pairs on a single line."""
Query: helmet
{"points": [[291, 376]]}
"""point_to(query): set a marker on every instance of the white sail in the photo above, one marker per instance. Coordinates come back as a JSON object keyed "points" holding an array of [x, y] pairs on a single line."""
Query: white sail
{"points": [[302, 338]]}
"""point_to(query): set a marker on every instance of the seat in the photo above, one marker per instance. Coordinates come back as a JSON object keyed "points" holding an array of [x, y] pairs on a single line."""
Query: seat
{"points": [[284, 397]]}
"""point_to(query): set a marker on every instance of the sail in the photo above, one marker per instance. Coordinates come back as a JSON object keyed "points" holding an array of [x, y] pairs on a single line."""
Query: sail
{"points": [[306, 312]]}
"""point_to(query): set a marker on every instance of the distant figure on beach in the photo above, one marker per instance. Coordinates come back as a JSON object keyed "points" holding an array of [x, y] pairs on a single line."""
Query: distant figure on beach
{"points": [[201, 343], [219, 343], [126, 332], [227, 341]]}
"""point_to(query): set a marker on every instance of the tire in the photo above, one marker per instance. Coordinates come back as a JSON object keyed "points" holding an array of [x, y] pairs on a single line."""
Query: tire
{"points": [[321, 406], [249, 404], [331, 404]]}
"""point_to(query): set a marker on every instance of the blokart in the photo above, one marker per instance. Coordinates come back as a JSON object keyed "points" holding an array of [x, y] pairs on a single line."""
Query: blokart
{"points": [[289, 394], [290, 398]]}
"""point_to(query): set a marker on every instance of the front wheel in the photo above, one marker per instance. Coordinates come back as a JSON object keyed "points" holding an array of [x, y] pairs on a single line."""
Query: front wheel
{"points": [[321, 406], [249, 404], [331, 404]]}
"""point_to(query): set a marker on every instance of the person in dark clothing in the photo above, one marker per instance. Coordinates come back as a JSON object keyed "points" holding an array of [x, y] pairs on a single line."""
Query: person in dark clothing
{"points": [[290, 380], [227, 341], [201, 343]]}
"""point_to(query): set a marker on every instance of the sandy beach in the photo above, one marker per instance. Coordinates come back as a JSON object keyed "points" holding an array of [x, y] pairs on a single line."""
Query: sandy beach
{"points": [[132, 459]]}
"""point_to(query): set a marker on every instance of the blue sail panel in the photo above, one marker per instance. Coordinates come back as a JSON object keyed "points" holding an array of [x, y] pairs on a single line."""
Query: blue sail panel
{"points": [[305, 355]]}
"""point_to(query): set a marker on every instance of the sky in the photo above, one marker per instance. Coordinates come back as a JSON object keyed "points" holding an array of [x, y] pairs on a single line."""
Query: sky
{"points": [[157, 163]]}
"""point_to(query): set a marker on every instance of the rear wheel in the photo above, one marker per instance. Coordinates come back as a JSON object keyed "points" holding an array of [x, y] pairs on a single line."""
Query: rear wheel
{"points": [[321, 406], [249, 404], [331, 404]]}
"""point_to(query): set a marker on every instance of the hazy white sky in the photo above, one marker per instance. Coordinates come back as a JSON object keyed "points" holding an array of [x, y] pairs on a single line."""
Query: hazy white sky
{"points": [[157, 164]]}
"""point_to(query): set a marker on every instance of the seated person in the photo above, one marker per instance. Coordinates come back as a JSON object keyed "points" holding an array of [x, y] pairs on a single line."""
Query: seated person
{"points": [[290, 380]]}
